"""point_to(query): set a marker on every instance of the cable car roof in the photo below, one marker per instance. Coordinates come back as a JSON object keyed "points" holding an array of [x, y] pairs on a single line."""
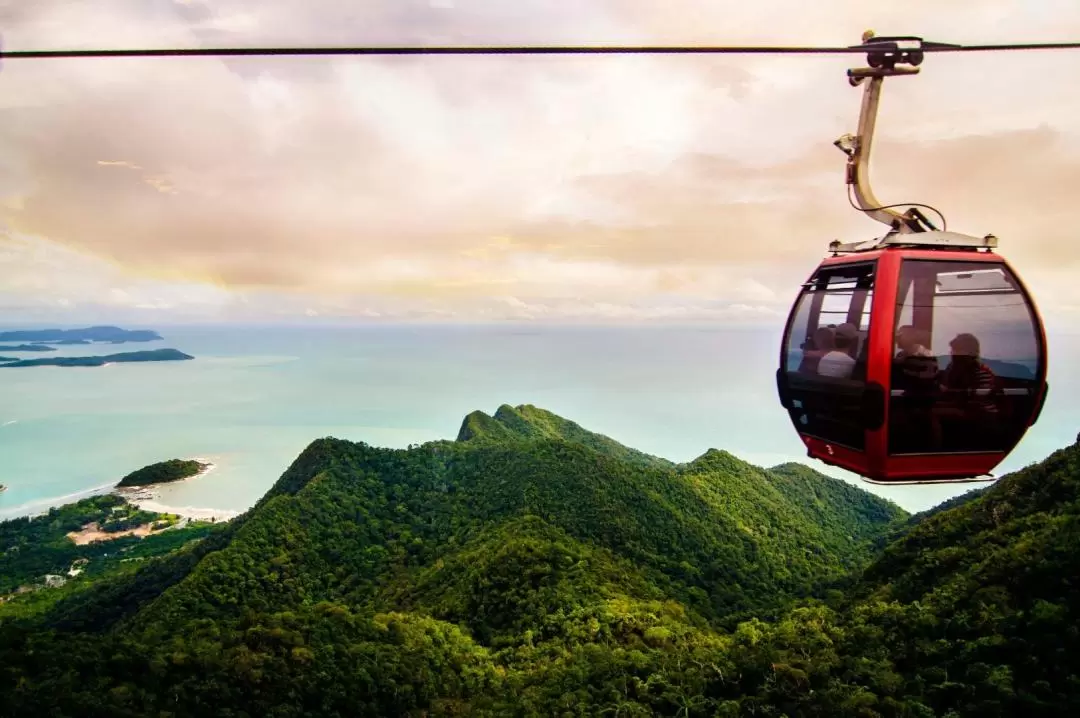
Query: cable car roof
{"points": [[935, 239]]}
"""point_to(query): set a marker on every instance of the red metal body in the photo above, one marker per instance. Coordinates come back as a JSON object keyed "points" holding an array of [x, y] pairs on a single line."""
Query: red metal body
{"points": [[873, 461]]}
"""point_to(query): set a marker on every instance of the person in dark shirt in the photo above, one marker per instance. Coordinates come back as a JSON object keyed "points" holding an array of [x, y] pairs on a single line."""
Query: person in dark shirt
{"points": [[967, 374], [915, 373], [972, 391]]}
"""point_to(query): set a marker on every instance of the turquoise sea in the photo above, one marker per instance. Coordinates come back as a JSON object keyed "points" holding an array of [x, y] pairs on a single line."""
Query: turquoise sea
{"points": [[254, 397]]}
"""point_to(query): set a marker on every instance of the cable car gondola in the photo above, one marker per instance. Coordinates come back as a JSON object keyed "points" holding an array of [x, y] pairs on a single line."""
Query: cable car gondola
{"points": [[919, 357]]}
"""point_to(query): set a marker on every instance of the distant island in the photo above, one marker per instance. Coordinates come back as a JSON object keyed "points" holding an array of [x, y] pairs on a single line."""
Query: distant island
{"points": [[106, 334], [28, 348], [152, 355], [164, 472]]}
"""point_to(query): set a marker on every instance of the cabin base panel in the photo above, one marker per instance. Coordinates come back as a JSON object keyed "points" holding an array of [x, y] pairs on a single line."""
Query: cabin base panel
{"points": [[906, 469], [915, 482]]}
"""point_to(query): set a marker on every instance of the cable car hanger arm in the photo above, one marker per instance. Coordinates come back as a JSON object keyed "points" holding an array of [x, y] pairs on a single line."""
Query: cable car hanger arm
{"points": [[885, 58]]}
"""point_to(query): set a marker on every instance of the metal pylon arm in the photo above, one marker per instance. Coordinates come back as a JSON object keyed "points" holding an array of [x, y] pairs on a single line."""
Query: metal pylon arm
{"points": [[885, 58]]}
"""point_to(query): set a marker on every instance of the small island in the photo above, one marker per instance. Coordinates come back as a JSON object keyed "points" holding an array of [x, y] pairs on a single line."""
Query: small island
{"points": [[27, 348], [165, 472], [107, 334], [153, 355]]}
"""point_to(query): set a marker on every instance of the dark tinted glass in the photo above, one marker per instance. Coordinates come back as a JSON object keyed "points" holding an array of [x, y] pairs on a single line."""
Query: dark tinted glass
{"points": [[966, 359], [825, 354]]}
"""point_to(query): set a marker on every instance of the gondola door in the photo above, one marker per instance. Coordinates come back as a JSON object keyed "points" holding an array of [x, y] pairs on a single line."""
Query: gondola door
{"points": [[969, 369], [822, 379]]}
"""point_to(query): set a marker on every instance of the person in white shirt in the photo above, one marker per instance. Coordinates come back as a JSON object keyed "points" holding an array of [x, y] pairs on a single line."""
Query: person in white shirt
{"points": [[838, 363]]}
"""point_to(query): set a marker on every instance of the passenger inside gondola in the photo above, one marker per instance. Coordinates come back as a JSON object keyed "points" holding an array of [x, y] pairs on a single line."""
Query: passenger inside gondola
{"points": [[816, 347], [915, 369], [839, 362], [914, 353], [915, 375], [970, 398]]}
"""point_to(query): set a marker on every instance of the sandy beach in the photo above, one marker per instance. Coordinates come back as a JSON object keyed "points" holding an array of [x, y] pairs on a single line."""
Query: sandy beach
{"points": [[154, 498], [148, 498]]}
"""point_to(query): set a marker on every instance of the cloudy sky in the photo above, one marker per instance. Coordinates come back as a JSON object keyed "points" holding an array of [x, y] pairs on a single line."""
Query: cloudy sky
{"points": [[486, 188]]}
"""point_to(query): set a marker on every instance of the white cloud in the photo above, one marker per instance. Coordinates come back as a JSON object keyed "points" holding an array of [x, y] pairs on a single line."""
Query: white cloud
{"points": [[628, 185]]}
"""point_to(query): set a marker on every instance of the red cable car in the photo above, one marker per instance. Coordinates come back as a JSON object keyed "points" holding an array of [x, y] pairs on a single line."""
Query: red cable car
{"points": [[919, 357]]}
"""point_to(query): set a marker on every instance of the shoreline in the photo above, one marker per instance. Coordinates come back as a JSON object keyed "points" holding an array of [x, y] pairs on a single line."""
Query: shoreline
{"points": [[148, 498]]}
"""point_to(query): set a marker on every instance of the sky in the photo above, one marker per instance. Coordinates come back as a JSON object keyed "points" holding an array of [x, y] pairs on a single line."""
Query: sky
{"points": [[561, 189]]}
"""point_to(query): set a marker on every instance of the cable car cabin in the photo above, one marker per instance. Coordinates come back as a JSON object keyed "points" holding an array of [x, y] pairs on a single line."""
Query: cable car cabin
{"points": [[909, 364]]}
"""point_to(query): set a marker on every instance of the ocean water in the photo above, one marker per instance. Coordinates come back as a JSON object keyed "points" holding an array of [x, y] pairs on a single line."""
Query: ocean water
{"points": [[254, 397]]}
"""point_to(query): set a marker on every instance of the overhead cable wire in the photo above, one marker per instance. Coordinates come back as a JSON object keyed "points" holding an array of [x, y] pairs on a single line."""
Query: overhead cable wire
{"points": [[517, 50]]}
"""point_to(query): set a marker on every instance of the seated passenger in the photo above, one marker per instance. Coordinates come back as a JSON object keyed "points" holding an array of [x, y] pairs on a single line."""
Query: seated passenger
{"points": [[969, 377], [916, 427], [839, 362], [915, 367], [971, 399], [914, 356], [819, 346]]}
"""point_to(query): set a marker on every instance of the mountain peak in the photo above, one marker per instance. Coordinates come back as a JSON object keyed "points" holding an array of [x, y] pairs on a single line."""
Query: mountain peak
{"points": [[718, 460], [527, 422], [478, 426]]}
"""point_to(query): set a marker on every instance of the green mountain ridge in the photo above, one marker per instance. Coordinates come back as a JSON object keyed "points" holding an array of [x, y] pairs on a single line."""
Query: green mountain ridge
{"points": [[532, 567], [397, 510]]}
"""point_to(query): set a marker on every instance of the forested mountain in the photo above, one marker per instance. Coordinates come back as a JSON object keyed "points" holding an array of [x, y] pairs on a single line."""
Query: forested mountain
{"points": [[973, 611], [532, 567]]}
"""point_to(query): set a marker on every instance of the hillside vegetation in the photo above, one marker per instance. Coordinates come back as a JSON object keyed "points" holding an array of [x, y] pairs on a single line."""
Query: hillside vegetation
{"points": [[532, 567]]}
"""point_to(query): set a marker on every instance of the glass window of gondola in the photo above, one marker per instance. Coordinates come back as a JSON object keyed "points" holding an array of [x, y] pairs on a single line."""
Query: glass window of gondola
{"points": [[966, 359], [825, 353]]}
